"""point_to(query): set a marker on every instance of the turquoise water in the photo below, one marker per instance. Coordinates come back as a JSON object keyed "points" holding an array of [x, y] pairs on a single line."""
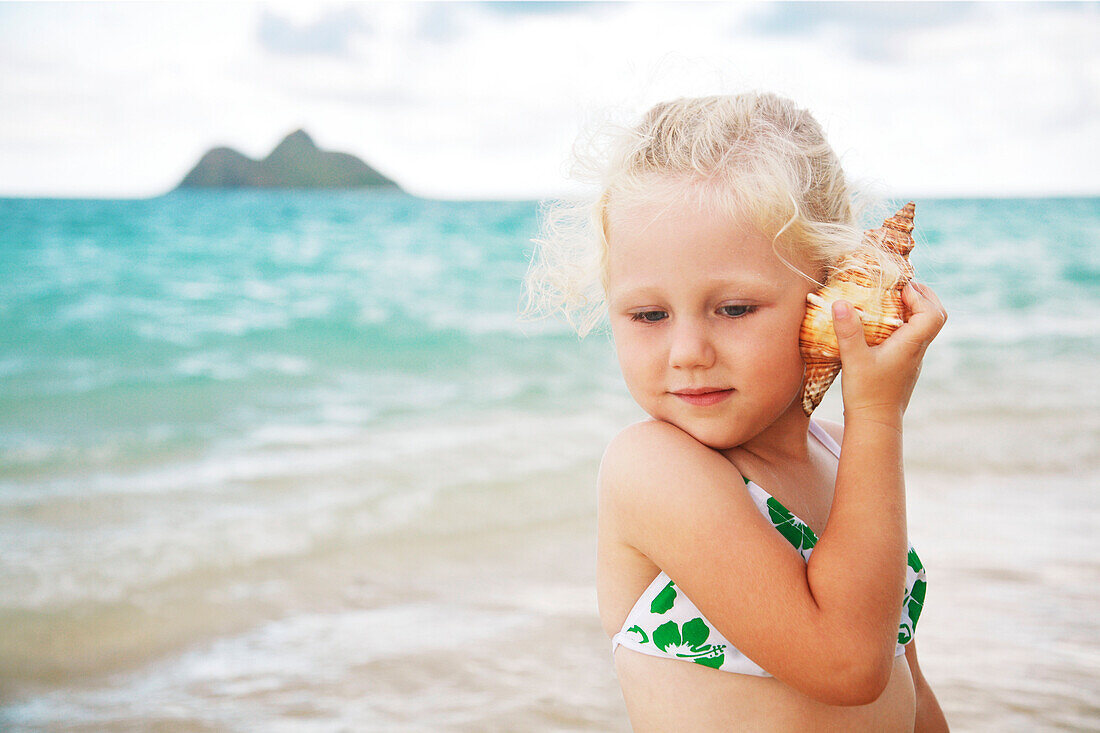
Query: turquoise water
{"points": [[137, 329], [233, 422]]}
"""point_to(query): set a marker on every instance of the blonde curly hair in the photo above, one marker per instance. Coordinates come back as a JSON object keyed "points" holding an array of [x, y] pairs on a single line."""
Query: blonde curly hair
{"points": [[754, 155]]}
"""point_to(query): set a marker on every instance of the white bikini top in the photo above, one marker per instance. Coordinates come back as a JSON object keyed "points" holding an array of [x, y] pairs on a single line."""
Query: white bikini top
{"points": [[665, 623]]}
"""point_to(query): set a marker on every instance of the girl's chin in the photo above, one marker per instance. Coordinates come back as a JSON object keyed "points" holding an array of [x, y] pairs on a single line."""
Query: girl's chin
{"points": [[719, 435], [711, 436]]}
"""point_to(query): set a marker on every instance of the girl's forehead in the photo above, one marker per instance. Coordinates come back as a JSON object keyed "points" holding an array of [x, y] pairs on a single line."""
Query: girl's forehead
{"points": [[655, 251], [682, 227], [671, 205], [656, 243]]}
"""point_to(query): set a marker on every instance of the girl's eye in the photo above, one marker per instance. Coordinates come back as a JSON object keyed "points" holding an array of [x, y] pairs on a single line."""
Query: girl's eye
{"points": [[649, 316], [736, 311]]}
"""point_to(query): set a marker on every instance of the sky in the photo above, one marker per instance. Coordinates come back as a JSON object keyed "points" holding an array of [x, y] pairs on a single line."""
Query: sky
{"points": [[470, 100]]}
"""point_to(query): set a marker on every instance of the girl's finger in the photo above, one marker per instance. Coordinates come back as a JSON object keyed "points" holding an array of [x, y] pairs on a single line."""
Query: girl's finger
{"points": [[927, 315], [849, 331], [920, 297]]}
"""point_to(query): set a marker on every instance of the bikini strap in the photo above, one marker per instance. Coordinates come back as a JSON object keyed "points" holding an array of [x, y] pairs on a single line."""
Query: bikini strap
{"points": [[825, 439]]}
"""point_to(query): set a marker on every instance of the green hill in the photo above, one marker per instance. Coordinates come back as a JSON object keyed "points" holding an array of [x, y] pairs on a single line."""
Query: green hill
{"points": [[296, 162]]}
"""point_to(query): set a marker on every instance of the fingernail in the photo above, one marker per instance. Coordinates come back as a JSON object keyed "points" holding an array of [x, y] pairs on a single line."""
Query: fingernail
{"points": [[841, 310]]}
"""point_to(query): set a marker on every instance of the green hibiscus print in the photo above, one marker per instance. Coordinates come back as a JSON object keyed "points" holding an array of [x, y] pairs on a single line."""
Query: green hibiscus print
{"points": [[663, 601], [914, 562], [689, 642], [791, 527], [913, 603]]}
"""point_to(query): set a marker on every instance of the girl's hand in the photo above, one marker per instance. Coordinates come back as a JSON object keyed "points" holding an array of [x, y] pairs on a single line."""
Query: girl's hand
{"points": [[878, 380]]}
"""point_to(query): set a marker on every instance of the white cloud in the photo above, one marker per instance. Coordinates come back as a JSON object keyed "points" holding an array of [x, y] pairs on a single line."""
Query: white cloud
{"points": [[474, 100]]}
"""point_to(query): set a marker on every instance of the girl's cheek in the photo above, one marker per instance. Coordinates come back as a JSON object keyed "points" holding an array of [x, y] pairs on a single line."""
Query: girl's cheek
{"points": [[628, 360]]}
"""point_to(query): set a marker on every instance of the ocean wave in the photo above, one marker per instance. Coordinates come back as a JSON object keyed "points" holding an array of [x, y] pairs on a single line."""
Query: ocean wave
{"points": [[284, 493]]}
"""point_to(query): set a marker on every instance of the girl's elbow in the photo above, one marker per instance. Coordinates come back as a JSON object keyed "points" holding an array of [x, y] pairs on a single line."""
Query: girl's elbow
{"points": [[857, 680], [866, 684]]}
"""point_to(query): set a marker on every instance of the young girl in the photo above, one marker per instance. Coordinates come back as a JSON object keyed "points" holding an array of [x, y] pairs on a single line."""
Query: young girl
{"points": [[752, 562]]}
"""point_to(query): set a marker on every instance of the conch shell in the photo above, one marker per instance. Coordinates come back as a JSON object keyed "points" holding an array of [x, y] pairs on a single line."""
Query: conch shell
{"points": [[879, 303]]}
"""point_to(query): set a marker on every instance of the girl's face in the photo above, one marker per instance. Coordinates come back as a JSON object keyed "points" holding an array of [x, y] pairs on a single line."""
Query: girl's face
{"points": [[706, 318]]}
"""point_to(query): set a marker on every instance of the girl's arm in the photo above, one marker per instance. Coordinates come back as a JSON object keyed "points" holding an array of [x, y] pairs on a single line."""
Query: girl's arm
{"points": [[827, 629], [866, 536], [930, 718]]}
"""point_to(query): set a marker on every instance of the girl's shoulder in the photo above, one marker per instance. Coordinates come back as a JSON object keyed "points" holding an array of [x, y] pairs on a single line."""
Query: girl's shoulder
{"points": [[654, 472], [649, 434], [655, 469], [651, 449]]}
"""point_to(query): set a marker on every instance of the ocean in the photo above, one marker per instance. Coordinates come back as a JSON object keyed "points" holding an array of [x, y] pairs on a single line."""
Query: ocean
{"points": [[290, 461]]}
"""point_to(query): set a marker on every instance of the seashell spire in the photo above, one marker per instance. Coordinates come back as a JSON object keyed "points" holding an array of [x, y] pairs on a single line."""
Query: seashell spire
{"points": [[858, 279]]}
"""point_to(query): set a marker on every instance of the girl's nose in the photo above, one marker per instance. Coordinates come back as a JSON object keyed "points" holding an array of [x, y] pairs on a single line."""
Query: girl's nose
{"points": [[691, 345]]}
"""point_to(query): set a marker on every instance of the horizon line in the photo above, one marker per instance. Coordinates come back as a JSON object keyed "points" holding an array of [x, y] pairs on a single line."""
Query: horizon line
{"points": [[369, 190]]}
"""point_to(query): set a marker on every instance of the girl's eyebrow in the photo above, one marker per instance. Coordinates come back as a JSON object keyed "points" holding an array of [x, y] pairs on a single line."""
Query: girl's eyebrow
{"points": [[749, 283], [742, 280]]}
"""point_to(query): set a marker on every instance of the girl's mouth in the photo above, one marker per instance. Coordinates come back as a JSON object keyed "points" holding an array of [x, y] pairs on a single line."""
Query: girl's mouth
{"points": [[703, 397]]}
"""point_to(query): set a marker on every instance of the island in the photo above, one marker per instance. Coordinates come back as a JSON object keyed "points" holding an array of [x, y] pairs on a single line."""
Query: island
{"points": [[296, 162]]}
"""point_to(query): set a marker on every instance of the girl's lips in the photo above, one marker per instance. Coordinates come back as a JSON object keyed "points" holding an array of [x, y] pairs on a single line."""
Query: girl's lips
{"points": [[703, 397]]}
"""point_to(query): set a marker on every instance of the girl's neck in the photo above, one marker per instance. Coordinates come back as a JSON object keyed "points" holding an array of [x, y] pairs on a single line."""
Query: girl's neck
{"points": [[785, 442]]}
